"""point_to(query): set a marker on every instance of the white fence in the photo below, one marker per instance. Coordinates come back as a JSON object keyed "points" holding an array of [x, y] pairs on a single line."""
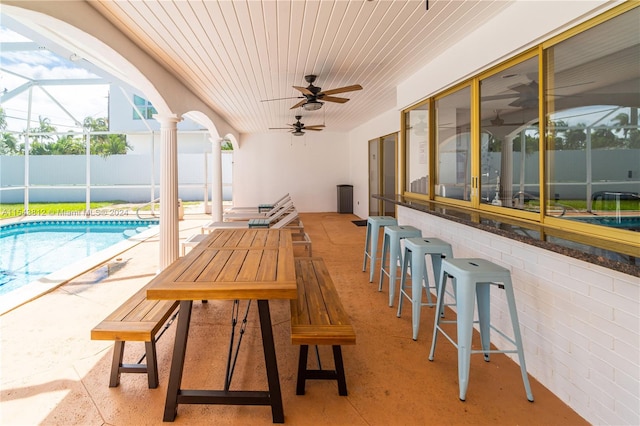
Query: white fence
{"points": [[131, 178]]}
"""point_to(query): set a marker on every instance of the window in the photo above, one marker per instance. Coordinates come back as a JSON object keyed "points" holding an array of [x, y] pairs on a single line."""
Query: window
{"points": [[509, 137], [453, 145], [416, 136], [484, 134], [593, 137], [142, 107]]}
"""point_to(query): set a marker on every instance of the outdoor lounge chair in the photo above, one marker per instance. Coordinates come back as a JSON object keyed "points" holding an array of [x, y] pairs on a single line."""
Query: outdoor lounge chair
{"points": [[234, 216], [261, 207], [281, 220]]}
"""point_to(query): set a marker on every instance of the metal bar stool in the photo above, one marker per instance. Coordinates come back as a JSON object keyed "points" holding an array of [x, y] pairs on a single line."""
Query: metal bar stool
{"points": [[374, 223], [415, 251], [391, 246], [473, 279]]}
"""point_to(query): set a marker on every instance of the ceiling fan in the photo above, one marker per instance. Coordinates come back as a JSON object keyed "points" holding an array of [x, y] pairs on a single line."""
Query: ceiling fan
{"points": [[313, 95], [297, 128], [527, 94], [498, 121]]}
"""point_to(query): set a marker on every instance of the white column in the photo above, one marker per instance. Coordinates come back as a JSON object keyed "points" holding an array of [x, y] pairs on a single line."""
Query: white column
{"points": [[169, 235], [216, 179]]}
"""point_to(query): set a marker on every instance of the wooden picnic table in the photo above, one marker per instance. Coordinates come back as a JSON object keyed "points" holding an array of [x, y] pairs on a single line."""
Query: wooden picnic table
{"points": [[230, 264]]}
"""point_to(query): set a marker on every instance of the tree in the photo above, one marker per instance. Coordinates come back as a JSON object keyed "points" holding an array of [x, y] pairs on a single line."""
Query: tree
{"points": [[106, 144], [113, 144], [44, 126], [603, 137], [226, 145], [9, 144], [622, 120], [67, 145]]}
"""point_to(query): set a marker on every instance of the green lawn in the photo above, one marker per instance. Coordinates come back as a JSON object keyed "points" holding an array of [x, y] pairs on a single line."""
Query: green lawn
{"points": [[52, 209], [68, 209]]}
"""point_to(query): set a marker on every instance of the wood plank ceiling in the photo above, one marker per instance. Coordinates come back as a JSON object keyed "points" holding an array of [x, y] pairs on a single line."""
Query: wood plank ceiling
{"points": [[235, 54]]}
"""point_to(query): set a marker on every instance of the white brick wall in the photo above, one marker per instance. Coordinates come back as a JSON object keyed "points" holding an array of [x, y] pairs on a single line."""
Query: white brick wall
{"points": [[580, 323]]}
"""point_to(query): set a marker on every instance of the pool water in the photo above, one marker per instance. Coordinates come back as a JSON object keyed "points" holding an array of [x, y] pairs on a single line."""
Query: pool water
{"points": [[631, 223], [31, 250]]}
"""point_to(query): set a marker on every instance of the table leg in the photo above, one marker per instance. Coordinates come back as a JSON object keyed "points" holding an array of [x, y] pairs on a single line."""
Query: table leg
{"points": [[177, 361], [271, 362]]}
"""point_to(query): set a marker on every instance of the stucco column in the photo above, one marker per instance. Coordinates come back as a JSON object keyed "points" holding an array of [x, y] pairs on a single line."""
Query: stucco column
{"points": [[169, 235], [216, 179]]}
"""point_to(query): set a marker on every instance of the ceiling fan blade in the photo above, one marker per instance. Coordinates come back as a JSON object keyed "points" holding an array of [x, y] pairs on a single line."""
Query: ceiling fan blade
{"points": [[299, 104], [334, 99], [524, 102], [303, 90], [279, 128], [342, 89], [497, 97], [311, 128], [314, 127], [279, 99]]}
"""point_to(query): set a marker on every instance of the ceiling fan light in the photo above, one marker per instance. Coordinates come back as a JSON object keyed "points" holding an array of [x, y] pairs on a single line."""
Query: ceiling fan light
{"points": [[312, 105], [298, 133]]}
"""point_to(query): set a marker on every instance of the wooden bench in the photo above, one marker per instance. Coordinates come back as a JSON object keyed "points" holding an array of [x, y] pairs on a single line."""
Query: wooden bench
{"points": [[318, 318], [138, 319]]}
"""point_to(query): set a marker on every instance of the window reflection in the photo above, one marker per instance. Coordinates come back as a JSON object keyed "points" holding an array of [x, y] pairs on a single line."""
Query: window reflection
{"points": [[453, 144], [593, 137], [417, 149], [509, 138]]}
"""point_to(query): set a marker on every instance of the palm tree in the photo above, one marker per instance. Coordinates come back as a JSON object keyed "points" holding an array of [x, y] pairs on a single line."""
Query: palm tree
{"points": [[105, 145], [622, 120], [114, 144], [44, 126], [67, 145]]}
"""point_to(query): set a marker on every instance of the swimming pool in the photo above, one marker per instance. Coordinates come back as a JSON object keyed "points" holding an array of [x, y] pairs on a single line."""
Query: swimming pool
{"points": [[30, 251]]}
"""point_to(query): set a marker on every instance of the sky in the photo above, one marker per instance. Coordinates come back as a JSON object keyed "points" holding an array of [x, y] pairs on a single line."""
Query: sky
{"points": [[80, 101]]}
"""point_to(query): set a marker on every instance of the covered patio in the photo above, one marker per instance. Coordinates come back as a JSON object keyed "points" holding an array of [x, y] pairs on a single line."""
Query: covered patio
{"points": [[57, 375], [580, 313]]}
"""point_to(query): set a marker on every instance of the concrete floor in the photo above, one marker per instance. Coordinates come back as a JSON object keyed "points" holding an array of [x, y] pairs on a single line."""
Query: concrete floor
{"points": [[52, 373]]}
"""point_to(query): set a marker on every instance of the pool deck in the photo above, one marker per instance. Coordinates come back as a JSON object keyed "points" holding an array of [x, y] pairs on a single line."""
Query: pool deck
{"points": [[50, 282], [53, 373]]}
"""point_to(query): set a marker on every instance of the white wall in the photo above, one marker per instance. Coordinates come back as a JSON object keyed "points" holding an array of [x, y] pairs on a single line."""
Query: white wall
{"points": [[191, 143], [121, 114], [507, 34], [580, 323], [308, 167]]}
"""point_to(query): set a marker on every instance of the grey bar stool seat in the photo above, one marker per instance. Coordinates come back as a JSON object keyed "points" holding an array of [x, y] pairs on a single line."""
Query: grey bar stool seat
{"points": [[473, 279], [374, 223], [391, 246], [415, 251]]}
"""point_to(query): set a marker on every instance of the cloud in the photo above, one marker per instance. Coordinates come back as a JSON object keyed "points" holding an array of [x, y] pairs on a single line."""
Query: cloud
{"points": [[79, 100]]}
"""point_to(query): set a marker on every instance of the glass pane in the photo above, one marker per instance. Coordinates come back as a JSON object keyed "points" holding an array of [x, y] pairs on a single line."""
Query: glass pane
{"points": [[374, 177], [417, 150], [509, 138], [453, 143], [389, 172], [593, 139]]}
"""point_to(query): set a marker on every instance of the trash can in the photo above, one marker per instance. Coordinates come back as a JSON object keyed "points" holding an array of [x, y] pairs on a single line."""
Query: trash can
{"points": [[345, 198]]}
